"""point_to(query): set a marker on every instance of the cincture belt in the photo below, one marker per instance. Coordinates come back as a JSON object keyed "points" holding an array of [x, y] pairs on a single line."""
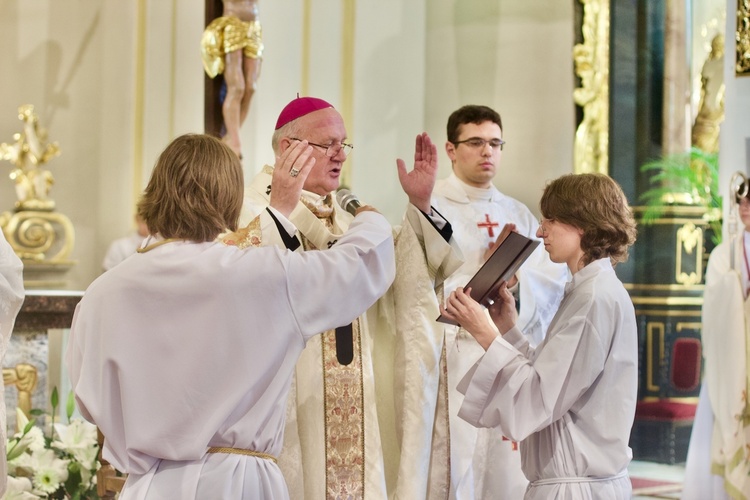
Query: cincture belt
{"points": [[559, 480], [240, 451]]}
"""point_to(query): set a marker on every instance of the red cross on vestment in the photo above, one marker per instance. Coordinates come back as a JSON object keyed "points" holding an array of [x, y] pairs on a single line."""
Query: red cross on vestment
{"points": [[488, 224], [514, 444]]}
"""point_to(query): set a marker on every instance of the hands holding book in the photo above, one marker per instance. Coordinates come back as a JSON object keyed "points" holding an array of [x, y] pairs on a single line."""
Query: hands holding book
{"points": [[470, 314], [489, 288]]}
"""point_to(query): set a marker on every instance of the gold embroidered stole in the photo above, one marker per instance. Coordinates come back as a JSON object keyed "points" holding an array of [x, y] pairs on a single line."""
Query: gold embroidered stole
{"points": [[343, 399], [320, 227]]}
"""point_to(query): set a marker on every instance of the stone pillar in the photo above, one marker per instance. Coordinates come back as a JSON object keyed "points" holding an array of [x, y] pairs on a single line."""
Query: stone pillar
{"points": [[676, 111]]}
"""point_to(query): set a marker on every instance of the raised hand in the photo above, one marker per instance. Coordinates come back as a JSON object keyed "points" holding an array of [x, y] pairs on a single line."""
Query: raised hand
{"points": [[418, 183], [289, 174]]}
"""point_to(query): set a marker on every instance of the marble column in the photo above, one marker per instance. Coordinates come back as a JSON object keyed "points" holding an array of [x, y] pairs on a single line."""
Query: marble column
{"points": [[676, 110]]}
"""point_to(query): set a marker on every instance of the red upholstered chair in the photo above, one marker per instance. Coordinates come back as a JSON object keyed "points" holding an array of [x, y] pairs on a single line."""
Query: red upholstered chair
{"points": [[661, 432]]}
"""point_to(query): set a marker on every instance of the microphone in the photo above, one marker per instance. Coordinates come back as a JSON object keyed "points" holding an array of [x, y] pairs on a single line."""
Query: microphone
{"points": [[348, 200]]}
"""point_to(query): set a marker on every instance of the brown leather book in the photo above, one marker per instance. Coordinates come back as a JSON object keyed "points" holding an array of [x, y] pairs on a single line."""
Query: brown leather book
{"points": [[512, 250]]}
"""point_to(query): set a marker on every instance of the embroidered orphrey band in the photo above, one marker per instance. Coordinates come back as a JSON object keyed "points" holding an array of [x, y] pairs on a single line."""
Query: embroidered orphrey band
{"points": [[344, 419]]}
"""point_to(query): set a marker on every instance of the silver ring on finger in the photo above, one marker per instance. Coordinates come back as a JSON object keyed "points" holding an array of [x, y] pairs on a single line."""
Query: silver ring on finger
{"points": [[294, 172]]}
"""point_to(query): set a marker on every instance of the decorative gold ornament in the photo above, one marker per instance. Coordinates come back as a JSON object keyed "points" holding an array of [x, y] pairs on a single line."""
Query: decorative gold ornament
{"points": [[591, 151], [27, 154], [742, 66], [41, 237], [689, 238]]}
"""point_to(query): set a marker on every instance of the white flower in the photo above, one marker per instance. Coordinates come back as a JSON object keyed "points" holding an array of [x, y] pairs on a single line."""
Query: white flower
{"points": [[19, 488], [49, 471], [79, 440], [23, 462], [34, 439], [67, 450]]}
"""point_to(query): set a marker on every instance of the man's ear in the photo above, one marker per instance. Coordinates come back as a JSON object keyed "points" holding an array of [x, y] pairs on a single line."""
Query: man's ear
{"points": [[284, 143], [450, 149]]}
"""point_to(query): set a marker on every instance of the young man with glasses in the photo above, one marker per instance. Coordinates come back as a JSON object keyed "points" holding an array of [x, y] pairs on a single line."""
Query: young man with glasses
{"points": [[483, 463], [358, 387]]}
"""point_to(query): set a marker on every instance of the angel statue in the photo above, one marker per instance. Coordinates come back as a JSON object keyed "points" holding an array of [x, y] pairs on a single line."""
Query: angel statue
{"points": [[29, 151]]}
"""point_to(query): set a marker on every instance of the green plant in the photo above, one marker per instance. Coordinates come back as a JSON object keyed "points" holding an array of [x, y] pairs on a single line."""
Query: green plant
{"points": [[690, 178], [58, 463]]}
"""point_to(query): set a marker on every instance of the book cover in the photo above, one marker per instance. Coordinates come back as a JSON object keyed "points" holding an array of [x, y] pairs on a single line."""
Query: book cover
{"points": [[512, 251]]}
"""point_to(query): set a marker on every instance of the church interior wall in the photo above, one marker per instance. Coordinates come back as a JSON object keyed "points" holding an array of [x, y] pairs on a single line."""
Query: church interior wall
{"points": [[114, 81], [515, 57]]}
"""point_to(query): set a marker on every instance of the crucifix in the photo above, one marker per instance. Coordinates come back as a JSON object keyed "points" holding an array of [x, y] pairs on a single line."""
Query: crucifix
{"points": [[488, 224], [231, 52], [212, 119]]}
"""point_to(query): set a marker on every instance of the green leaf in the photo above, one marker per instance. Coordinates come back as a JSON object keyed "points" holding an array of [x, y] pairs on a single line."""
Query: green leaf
{"points": [[70, 407], [694, 175], [54, 399], [29, 426]]}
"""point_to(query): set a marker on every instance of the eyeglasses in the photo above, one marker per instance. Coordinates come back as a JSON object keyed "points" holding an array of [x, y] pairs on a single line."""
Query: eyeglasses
{"points": [[544, 222], [331, 149], [479, 143]]}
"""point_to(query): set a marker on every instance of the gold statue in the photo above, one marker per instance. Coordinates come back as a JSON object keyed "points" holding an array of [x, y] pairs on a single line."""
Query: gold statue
{"points": [[27, 154], [41, 237], [591, 150], [705, 134]]}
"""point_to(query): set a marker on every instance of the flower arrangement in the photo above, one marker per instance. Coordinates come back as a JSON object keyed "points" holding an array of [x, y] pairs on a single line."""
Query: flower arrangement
{"points": [[59, 463]]}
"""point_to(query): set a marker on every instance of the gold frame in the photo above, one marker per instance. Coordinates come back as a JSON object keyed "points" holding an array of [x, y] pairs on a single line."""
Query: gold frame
{"points": [[742, 50]]}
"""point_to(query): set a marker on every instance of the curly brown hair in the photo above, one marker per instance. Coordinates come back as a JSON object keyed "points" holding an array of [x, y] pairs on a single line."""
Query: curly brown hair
{"points": [[195, 191], [595, 204]]}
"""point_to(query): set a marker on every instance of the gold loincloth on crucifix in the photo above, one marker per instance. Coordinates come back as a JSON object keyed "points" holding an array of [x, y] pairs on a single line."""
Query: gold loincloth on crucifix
{"points": [[226, 34]]}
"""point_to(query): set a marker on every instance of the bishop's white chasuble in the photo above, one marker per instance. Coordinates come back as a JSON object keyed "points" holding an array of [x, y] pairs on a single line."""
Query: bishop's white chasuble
{"points": [[367, 429]]}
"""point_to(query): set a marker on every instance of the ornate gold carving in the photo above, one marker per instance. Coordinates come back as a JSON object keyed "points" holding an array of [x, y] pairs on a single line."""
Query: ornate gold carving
{"points": [[667, 312], [591, 151], [689, 238], [681, 325], [42, 238], [668, 301], [653, 328], [32, 182], [742, 65], [39, 237], [663, 287], [24, 376]]}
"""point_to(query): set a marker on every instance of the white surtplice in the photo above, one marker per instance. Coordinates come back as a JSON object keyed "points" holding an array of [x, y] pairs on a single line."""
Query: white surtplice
{"points": [[193, 345], [11, 298], [483, 463], [571, 401]]}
